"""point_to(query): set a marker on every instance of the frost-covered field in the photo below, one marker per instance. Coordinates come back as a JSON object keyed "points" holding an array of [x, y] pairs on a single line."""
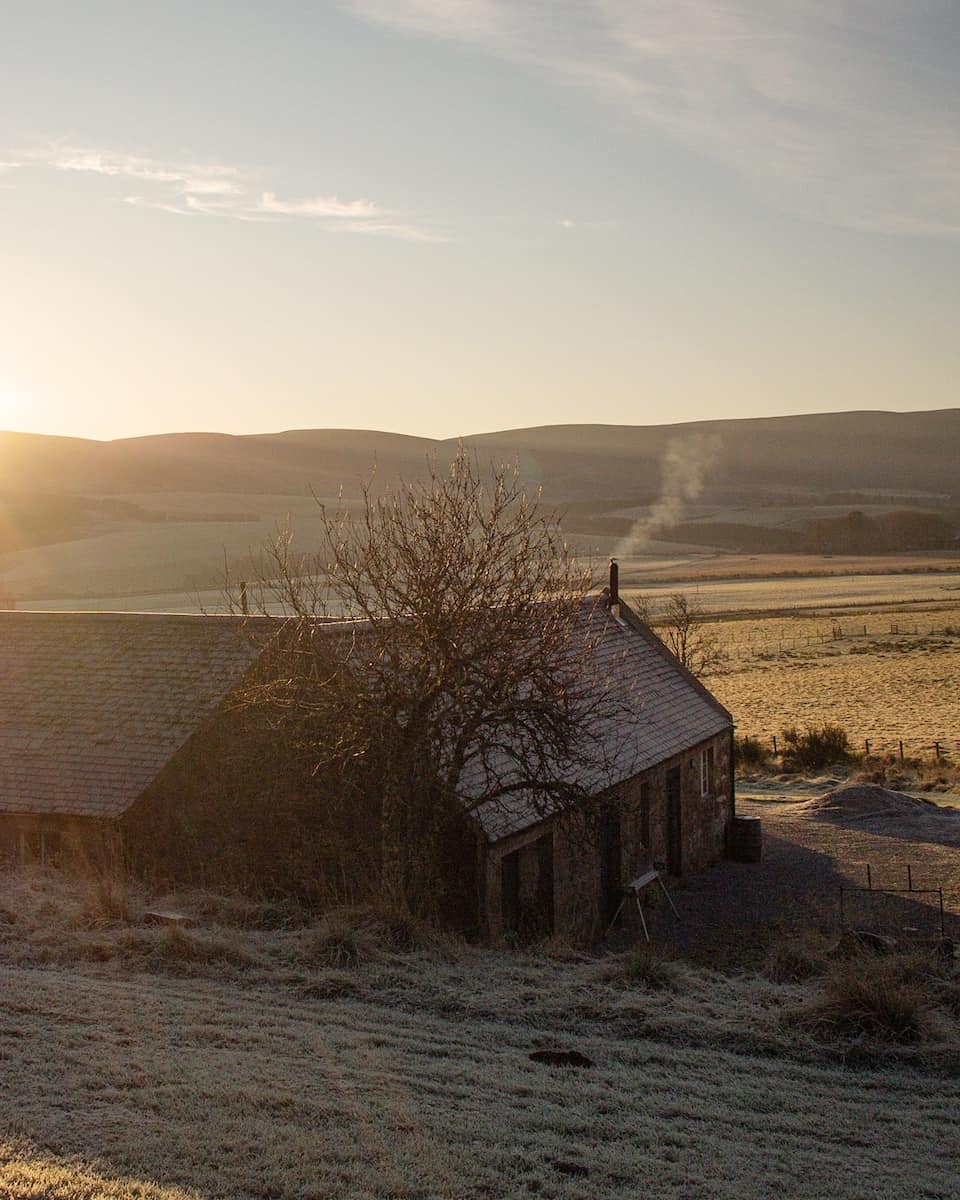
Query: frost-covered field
{"points": [[899, 680], [225, 1062]]}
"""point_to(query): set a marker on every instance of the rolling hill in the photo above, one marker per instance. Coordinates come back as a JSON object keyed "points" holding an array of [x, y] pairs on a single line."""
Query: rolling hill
{"points": [[82, 518], [906, 452]]}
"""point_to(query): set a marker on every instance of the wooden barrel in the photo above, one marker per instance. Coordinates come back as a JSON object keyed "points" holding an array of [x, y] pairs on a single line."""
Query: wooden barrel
{"points": [[746, 843]]}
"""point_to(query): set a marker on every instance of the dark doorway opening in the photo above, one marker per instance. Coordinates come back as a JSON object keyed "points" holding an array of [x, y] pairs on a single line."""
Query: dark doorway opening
{"points": [[645, 819], [674, 822], [611, 861], [526, 890], [510, 892]]}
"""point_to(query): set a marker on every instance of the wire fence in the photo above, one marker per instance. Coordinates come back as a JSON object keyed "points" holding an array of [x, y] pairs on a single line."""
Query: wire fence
{"points": [[861, 636], [945, 750]]}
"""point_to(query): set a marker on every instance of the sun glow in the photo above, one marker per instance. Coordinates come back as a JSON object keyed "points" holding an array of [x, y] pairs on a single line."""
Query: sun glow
{"points": [[15, 411]]}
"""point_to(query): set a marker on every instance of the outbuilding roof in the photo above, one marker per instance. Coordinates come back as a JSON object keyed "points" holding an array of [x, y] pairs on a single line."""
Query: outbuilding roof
{"points": [[93, 705]]}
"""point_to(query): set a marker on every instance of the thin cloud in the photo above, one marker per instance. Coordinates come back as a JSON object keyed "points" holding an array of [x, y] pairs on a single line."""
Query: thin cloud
{"points": [[446, 18], [837, 111], [318, 206], [193, 189], [160, 206], [205, 178], [405, 233]]}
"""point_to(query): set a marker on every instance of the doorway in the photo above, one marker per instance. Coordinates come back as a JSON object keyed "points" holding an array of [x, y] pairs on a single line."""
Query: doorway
{"points": [[611, 862], [674, 822]]}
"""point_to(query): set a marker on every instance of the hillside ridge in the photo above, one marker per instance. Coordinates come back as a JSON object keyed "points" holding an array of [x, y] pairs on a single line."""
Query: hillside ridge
{"points": [[845, 450]]}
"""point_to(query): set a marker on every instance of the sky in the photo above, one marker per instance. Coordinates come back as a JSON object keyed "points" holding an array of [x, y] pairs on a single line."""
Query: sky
{"points": [[443, 217]]}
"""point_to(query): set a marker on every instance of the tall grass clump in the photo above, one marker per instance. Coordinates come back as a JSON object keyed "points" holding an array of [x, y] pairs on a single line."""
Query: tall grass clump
{"points": [[643, 966], [796, 958], [865, 998], [815, 747], [349, 937]]}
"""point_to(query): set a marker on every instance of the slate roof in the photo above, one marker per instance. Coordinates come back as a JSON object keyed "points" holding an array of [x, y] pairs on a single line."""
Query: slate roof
{"points": [[93, 705], [656, 709]]}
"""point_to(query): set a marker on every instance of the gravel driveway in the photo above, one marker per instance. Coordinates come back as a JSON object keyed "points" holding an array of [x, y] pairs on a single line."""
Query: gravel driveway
{"points": [[806, 859]]}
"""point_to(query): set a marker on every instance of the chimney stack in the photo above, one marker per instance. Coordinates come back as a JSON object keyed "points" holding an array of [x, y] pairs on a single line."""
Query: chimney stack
{"points": [[614, 588]]}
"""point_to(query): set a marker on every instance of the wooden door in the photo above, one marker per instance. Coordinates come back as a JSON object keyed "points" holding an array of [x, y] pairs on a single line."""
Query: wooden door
{"points": [[674, 822], [611, 861]]}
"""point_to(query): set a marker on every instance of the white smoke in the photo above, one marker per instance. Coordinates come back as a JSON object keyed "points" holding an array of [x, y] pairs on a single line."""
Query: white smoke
{"points": [[683, 470]]}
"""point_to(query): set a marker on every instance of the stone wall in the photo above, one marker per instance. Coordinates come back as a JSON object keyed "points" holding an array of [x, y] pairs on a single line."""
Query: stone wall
{"points": [[583, 890]]}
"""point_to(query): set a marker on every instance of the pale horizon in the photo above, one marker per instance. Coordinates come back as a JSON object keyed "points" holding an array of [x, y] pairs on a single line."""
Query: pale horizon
{"points": [[469, 433]]}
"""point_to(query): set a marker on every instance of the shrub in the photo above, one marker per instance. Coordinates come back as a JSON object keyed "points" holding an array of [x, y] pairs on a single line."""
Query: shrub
{"points": [[874, 998], [750, 752], [815, 747]]}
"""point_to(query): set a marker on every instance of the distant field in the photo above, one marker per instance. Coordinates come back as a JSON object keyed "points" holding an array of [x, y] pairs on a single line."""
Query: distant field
{"points": [[816, 592], [884, 676], [180, 554]]}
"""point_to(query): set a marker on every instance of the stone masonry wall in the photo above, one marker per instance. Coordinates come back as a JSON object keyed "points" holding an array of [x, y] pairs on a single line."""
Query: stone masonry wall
{"points": [[580, 903]]}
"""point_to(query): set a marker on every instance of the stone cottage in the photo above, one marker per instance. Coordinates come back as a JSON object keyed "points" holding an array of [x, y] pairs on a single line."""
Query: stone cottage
{"points": [[113, 727]]}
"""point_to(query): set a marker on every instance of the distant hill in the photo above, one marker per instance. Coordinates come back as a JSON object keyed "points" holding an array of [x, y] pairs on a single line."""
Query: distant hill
{"points": [[834, 452], [158, 514], [828, 452]]}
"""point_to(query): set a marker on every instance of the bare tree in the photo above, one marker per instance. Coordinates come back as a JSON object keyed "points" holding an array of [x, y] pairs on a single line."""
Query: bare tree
{"points": [[461, 683], [681, 625]]}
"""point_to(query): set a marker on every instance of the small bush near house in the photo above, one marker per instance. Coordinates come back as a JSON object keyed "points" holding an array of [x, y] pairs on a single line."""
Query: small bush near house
{"points": [[750, 752], [813, 747]]}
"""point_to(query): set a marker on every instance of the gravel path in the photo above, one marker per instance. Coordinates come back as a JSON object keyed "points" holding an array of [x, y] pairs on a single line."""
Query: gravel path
{"points": [[797, 885]]}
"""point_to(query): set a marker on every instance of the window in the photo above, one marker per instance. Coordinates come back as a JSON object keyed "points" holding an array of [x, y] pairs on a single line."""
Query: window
{"points": [[707, 772]]}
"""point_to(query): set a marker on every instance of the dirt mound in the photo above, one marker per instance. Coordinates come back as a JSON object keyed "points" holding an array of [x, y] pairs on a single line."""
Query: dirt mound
{"points": [[866, 801]]}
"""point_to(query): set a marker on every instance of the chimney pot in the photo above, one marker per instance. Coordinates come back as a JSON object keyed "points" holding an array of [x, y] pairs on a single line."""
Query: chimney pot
{"points": [[614, 599]]}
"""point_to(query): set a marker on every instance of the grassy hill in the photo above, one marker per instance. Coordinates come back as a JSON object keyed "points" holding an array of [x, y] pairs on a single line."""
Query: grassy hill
{"points": [[82, 518], [907, 452]]}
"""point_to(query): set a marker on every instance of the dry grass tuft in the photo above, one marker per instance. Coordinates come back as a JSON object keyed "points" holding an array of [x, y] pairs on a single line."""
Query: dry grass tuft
{"points": [[872, 999], [560, 949], [237, 912], [797, 957], [336, 943], [350, 937], [332, 985], [29, 1173], [644, 966], [108, 901]]}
